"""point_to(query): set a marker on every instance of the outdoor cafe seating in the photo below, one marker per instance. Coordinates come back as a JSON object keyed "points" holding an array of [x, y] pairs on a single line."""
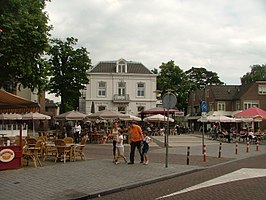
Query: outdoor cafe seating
{"points": [[69, 151], [62, 150], [79, 149], [33, 153]]}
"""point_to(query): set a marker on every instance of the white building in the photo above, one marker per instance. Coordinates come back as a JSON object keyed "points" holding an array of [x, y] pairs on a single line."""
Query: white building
{"points": [[121, 85]]}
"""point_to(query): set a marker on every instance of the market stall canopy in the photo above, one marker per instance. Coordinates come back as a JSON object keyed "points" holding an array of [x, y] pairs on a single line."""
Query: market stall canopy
{"points": [[10, 103], [158, 118], [35, 116], [10, 116], [162, 111], [71, 115], [107, 114], [253, 112], [220, 118], [225, 113], [131, 118]]}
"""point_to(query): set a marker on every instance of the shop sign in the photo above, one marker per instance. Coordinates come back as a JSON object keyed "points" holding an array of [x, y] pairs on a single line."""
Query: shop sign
{"points": [[7, 155]]}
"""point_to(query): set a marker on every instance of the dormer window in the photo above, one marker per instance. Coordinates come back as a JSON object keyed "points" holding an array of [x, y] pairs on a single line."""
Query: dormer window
{"points": [[121, 66]]}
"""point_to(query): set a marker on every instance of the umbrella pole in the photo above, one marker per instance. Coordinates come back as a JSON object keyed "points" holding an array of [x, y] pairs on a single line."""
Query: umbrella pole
{"points": [[33, 128]]}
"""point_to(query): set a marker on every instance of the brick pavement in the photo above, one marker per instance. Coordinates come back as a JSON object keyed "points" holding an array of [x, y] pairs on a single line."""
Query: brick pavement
{"points": [[98, 175]]}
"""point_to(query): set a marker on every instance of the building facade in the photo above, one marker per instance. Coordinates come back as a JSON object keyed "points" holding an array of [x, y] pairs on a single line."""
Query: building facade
{"points": [[227, 99], [124, 86]]}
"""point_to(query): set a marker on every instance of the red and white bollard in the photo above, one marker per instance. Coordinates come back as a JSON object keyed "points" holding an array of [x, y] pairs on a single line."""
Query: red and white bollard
{"points": [[257, 145], [204, 153], [236, 148], [247, 147]]}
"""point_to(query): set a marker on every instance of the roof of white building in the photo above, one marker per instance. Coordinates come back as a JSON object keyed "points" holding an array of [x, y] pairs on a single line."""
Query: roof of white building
{"points": [[110, 67]]}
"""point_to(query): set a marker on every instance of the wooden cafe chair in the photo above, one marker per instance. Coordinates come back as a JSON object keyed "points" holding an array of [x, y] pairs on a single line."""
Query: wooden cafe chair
{"points": [[62, 150], [79, 149]]}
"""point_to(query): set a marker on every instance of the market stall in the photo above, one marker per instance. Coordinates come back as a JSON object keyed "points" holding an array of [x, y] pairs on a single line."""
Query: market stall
{"points": [[11, 146]]}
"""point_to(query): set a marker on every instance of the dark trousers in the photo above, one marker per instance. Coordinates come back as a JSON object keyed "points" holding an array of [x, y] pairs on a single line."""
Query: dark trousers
{"points": [[76, 137], [114, 147], [133, 146]]}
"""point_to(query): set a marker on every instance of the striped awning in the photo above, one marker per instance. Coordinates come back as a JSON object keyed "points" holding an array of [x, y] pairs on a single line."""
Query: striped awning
{"points": [[10, 103]]}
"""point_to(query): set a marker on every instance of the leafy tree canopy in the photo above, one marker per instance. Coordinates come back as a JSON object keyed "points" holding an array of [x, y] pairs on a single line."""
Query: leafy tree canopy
{"points": [[172, 77], [69, 67], [200, 76], [258, 73], [155, 71], [23, 42]]}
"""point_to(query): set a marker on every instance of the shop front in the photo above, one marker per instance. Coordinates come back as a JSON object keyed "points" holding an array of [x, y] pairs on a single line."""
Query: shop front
{"points": [[11, 140]]}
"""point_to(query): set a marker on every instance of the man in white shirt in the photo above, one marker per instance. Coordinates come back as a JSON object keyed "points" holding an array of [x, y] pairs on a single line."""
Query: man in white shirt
{"points": [[77, 131]]}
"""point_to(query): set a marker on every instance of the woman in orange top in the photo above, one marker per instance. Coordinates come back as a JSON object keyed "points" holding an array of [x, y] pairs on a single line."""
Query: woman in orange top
{"points": [[136, 138]]}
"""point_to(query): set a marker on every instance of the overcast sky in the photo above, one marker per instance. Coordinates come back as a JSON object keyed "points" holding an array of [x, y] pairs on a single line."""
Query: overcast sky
{"points": [[224, 36]]}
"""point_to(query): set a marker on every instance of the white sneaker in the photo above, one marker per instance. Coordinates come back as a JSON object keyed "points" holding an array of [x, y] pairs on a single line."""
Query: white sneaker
{"points": [[116, 162], [146, 163]]}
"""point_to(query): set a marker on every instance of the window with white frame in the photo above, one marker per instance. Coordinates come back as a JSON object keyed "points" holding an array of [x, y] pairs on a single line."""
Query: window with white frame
{"points": [[121, 67], [121, 88], [262, 89], [221, 106], [140, 89], [102, 89], [237, 106], [250, 105], [211, 107]]}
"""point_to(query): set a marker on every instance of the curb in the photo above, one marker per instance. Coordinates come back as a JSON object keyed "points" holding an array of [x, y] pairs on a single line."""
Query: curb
{"points": [[137, 184]]}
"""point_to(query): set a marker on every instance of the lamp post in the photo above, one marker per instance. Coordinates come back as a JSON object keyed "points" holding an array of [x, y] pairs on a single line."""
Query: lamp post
{"points": [[169, 101]]}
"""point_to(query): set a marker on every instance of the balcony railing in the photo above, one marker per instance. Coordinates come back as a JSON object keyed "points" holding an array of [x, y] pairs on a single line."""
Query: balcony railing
{"points": [[121, 99]]}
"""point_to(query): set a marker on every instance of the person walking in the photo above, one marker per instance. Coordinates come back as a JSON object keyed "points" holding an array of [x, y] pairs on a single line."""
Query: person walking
{"points": [[68, 129], [120, 148], [145, 147], [77, 131], [114, 135], [136, 137]]}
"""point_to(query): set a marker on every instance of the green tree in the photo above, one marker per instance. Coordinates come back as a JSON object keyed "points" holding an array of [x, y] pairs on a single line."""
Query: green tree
{"points": [[155, 71], [174, 78], [69, 67], [258, 73], [23, 42], [200, 76]]}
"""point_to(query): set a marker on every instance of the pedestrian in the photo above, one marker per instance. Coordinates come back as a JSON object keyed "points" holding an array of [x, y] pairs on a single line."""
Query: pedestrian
{"points": [[77, 131], [145, 147], [120, 147], [136, 137], [68, 129], [114, 135]]}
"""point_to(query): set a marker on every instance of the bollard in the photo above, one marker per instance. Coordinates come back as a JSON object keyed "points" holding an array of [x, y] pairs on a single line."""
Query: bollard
{"points": [[188, 153], [236, 148], [257, 145], [204, 153], [220, 150], [247, 147]]}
